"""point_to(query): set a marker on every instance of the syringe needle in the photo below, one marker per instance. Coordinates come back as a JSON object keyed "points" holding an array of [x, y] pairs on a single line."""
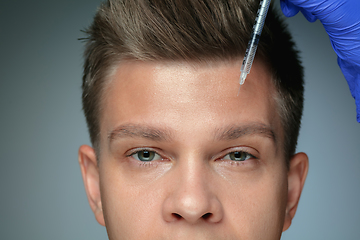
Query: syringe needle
{"points": [[242, 80]]}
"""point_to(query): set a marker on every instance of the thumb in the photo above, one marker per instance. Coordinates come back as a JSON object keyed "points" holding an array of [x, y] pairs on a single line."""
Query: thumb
{"points": [[290, 9]]}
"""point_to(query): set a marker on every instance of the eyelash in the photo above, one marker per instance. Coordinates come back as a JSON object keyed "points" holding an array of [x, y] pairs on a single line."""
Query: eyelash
{"points": [[160, 157]]}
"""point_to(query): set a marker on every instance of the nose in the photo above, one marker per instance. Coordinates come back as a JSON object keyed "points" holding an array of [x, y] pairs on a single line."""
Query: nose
{"points": [[191, 197]]}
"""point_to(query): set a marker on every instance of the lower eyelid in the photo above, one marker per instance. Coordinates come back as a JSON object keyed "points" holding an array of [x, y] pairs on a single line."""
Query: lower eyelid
{"points": [[248, 164]]}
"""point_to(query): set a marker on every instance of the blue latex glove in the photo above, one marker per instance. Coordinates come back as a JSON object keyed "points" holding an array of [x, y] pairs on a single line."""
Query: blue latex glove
{"points": [[341, 20]]}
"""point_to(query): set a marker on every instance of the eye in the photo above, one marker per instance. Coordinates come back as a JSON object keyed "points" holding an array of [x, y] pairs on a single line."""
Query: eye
{"points": [[238, 156], [146, 156]]}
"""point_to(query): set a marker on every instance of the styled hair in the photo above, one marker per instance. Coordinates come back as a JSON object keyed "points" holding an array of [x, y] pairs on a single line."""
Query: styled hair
{"points": [[189, 30]]}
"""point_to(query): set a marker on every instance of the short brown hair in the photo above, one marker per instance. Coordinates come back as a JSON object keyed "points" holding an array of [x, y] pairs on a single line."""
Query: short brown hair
{"points": [[190, 30]]}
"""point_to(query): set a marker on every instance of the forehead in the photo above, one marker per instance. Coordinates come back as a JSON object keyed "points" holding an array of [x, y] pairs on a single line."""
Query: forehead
{"points": [[188, 97]]}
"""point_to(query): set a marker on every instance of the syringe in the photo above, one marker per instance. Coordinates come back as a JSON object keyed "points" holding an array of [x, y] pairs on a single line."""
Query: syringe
{"points": [[254, 40]]}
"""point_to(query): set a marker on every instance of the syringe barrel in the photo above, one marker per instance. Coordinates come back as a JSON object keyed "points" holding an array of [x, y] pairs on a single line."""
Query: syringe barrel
{"points": [[261, 16], [254, 39], [250, 53]]}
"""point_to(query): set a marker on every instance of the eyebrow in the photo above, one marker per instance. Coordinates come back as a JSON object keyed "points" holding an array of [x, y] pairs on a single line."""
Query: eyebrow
{"points": [[222, 134], [139, 131], [235, 132]]}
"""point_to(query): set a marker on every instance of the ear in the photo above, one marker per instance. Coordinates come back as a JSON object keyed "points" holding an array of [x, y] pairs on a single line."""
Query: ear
{"points": [[90, 175], [298, 169]]}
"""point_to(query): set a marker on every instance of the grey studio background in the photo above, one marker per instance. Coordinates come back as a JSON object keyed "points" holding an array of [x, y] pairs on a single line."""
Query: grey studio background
{"points": [[42, 126]]}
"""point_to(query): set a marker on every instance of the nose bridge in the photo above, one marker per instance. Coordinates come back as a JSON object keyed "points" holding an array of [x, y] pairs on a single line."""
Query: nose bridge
{"points": [[191, 198], [193, 190]]}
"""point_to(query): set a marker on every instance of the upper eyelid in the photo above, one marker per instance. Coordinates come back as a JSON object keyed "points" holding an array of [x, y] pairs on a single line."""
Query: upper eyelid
{"points": [[132, 152], [139, 149], [238, 149]]}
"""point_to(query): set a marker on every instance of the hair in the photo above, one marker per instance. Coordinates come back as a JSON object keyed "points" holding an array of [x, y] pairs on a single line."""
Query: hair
{"points": [[189, 30]]}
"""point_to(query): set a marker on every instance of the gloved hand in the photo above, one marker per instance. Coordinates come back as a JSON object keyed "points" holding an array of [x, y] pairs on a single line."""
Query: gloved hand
{"points": [[341, 20]]}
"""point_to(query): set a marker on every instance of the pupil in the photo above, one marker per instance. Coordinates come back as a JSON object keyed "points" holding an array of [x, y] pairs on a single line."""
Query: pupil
{"points": [[146, 154], [237, 155]]}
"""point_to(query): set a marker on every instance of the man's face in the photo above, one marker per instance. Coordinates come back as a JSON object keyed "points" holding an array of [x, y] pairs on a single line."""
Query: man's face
{"points": [[183, 157]]}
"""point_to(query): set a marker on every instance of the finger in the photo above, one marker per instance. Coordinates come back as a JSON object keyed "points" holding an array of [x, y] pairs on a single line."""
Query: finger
{"points": [[288, 8]]}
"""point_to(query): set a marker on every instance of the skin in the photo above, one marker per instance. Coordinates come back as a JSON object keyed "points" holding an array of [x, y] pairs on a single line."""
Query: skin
{"points": [[189, 114]]}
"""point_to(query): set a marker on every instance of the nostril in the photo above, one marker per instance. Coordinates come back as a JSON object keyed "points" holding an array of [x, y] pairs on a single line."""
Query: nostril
{"points": [[177, 216], [206, 216]]}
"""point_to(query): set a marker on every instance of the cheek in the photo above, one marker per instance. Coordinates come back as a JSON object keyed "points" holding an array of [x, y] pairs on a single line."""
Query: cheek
{"points": [[128, 206], [257, 208]]}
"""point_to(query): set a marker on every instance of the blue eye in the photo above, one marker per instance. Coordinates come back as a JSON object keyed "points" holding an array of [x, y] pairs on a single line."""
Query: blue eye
{"points": [[146, 156], [238, 156]]}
